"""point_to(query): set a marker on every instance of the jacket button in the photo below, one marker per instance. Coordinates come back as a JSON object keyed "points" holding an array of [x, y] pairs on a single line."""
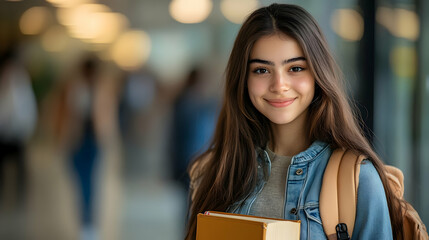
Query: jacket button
{"points": [[299, 171], [293, 211]]}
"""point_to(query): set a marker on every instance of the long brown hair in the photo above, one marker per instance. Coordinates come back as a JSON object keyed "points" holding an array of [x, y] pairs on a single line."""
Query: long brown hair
{"points": [[229, 170]]}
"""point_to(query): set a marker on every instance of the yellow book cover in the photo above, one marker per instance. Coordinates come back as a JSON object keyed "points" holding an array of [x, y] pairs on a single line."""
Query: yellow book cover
{"points": [[228, 226]]}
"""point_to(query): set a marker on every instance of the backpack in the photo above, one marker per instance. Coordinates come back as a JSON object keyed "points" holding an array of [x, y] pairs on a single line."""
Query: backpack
{"points": [[338, 204]]}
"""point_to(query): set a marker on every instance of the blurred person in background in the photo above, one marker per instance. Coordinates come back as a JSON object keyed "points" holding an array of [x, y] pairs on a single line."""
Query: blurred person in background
{"points": [[80, 121], [18, 117], [74, 129], [84, 152]]}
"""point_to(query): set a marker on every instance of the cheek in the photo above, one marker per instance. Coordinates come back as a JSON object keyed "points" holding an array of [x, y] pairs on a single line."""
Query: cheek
{"points": [[256, 87], [306, 87]]}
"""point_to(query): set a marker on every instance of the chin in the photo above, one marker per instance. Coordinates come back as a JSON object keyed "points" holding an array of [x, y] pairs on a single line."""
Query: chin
{"points": [[280, 121]]}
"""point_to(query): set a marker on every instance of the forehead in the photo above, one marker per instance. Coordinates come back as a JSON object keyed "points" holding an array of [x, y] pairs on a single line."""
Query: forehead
{"points": [[276, 46]]}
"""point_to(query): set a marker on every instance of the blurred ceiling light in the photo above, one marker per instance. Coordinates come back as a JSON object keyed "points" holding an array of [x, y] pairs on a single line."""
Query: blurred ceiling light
{"points": [[105, 27], [68, 16], [55, 39], [399, 22], [190, 11], [408, 24], [81, 20], [68, 3], [34, 20], [65, 16], [131, 50], [348, 24], [236, 11], [403, 60]]}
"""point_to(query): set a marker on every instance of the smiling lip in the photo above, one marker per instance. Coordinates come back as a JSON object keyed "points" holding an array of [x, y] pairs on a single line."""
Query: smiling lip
{"points": [[280, 102]]}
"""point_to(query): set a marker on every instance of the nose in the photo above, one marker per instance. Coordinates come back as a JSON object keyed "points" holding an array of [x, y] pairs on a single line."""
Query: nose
{"points": [[280, 83]]}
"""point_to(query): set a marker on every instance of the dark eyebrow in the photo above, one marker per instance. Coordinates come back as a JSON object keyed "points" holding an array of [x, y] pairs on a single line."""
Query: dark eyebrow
{"points": [[257, 60], [294, 60]]}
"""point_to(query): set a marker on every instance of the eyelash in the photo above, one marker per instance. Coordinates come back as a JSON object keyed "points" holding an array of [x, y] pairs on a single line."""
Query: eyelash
{"points": [[292, 69], [258, 70], [300, 69]]}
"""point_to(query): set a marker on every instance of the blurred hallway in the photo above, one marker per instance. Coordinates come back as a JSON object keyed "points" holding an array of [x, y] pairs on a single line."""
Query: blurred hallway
{"points": [[132, 207]]}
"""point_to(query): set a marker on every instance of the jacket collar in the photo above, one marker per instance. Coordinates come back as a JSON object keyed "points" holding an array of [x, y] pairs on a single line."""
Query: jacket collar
{"points": [[306, 156]]}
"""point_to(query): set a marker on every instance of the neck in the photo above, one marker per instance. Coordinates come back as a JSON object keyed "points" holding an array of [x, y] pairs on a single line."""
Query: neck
{"points": [[292, 138]]}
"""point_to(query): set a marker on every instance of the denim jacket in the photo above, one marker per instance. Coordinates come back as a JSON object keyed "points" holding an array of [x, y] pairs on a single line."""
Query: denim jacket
{"points": [[304, 179]]}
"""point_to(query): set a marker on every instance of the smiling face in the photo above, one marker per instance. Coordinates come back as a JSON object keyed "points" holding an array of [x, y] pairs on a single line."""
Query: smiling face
{"points": [[280, 84]]}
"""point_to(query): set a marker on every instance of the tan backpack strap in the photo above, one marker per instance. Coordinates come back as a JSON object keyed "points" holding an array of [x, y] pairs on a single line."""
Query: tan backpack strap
{"points": [[328, 202], [348, 182], [338, 195]]}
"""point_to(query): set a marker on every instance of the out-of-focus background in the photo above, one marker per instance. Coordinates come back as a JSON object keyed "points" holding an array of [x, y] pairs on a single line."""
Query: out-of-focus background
{"points": [[103, 104]]}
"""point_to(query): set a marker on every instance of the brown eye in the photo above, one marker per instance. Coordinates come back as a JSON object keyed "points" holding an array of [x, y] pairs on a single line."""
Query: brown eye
{"points": [[296, 69], [260, 71]]}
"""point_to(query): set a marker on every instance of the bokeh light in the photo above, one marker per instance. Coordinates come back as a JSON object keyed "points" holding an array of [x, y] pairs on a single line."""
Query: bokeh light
{"points": [[105, 27], [131, 50], [65, 16], [68, 3], [190, 11], [236, 11], [82, 20], [399, 22], [34, 20], [348, 24], [403, 60]]}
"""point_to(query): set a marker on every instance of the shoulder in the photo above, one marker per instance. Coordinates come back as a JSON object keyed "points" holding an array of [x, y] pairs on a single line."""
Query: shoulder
{"points": [[372, 213], [370, 184], [371, 194], [368, 175]]}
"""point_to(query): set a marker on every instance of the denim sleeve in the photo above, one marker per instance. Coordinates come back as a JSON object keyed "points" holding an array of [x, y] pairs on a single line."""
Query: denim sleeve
{"points": [[372, 213]]}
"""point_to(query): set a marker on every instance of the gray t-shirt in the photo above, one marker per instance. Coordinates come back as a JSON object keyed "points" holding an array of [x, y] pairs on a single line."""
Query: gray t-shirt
{"points": [[271, 200]]}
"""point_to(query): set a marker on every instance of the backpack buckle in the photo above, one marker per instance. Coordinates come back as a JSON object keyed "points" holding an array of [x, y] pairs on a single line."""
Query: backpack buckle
{"points": [[342, 233]]}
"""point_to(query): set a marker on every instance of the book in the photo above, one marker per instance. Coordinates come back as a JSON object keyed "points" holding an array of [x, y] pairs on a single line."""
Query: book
{"points": [[228, 226]]}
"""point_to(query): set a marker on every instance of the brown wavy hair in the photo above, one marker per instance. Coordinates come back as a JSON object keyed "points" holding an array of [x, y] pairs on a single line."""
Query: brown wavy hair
{"points": [[229, 170]]}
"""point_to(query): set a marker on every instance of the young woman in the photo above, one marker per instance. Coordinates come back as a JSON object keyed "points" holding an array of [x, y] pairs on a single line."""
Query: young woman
{"points": [[283, 114]]}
